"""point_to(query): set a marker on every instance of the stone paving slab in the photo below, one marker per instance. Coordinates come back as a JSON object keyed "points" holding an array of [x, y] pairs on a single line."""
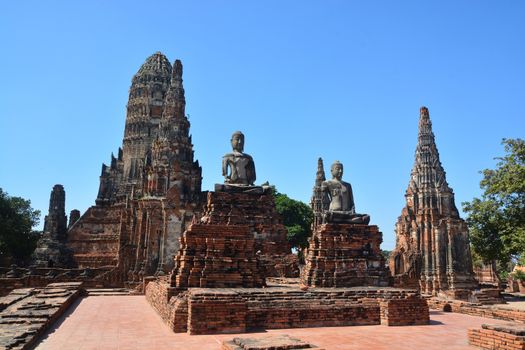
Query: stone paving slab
{"points": [[272, 342], [14, 296], [129, 323], [26, 313]]}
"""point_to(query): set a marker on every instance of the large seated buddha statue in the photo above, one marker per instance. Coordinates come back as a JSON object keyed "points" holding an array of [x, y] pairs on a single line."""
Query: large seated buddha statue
{"points": [[238, 168], [342, 207]]}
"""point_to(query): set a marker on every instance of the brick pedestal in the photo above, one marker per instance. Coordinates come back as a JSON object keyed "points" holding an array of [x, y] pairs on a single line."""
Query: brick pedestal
{"points": [[258, 212], [345, 255], [217, 256]]}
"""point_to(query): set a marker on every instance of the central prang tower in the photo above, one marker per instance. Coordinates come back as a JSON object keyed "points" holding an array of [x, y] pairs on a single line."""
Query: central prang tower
{"points": [[150, 192], [156, 153]]}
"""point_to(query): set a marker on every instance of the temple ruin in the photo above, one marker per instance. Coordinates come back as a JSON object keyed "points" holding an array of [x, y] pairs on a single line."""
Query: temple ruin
{"points": [[432, 242], [219, 261], [150, 193], [219, 282]]}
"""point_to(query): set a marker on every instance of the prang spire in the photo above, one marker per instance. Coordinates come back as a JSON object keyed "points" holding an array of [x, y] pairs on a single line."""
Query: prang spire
{"points": [[319, 201], [427, 171], [174, 122], [320, 176], [176, 90]]}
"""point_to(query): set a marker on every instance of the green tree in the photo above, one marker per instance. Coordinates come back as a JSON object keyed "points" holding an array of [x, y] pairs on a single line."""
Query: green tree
{"points": [[386, 254], [497, 219], [17, 218], [297, 217]]}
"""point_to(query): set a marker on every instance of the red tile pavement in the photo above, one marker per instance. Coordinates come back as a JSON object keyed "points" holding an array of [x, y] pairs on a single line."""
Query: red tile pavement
{"points": [[128, 322]]}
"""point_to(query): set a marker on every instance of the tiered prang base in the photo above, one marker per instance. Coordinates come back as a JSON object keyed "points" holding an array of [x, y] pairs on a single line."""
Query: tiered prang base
{"points": [[345, 255], [235, 310]]}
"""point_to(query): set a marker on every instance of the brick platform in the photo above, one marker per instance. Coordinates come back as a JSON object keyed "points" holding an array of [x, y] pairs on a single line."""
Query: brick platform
{"points": [[129, 322], [345, 255], [510, 336], [226, 310]]}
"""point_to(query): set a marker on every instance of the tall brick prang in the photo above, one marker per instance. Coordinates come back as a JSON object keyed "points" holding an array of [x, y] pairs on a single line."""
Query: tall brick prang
{"points": [[432, 242], [151, 189], [51, 250]]}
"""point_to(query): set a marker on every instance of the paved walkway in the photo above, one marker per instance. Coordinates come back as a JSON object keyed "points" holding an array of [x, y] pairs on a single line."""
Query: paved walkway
{"points": [[128, 322]]}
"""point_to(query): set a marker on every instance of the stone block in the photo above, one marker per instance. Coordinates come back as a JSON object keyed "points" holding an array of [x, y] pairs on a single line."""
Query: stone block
{"points": [[274, 342]]}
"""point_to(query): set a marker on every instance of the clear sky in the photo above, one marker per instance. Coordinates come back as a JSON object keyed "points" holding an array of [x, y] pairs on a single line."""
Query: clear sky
{"points": [[302, 79]]}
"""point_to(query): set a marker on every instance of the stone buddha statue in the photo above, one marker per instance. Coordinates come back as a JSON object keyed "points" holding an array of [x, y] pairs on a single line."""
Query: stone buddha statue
{"points": [[342, 207], [238, 167]]}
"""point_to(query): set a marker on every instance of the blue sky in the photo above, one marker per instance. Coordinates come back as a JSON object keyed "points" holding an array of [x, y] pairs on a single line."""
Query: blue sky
{"points": [[302, 79]]}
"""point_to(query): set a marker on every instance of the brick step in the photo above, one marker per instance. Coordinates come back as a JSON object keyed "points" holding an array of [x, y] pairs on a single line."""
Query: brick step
{"points": [[485, 298]]}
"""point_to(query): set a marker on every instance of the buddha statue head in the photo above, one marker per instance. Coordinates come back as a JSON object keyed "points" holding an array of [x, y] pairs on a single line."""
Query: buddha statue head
{"points": [[237, 142]]}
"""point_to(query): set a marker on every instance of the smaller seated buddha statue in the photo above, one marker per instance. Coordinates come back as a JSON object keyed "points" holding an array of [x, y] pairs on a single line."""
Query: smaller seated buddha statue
{"points": [[342, 207]]}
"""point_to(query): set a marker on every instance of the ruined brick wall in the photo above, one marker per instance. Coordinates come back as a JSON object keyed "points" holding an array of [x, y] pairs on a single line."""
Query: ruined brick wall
{"points": [[216, 312], [41, 277], [477, 310], [283, 314], [157, 294], [492, 339], [404, 312], [173, 309]]}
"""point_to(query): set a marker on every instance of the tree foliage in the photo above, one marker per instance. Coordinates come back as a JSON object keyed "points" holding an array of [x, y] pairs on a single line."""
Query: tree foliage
{"points": [[297, 217], [17, 218], [497, 219], [386, 254]]}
